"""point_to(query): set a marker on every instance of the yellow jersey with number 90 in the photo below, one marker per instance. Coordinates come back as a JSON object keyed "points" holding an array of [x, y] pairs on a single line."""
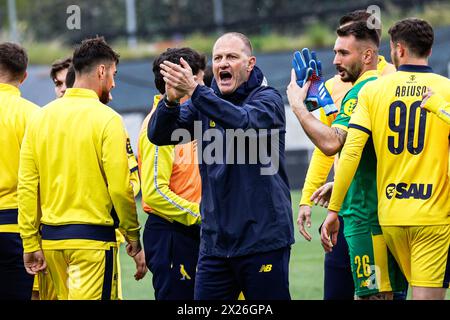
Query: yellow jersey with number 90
{"points": [[411, 145]]}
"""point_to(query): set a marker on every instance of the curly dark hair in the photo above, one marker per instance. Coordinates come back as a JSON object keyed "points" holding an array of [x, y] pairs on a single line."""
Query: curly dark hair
{"points": [[91, 53], [196, 61], [70, 77], [59, 65], [13, 60], [416, 34]]}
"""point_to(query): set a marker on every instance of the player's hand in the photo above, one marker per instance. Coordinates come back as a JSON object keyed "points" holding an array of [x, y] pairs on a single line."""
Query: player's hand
{"points": [[133, 247], [427, 95], [304, 215], [173, 94], [296, 94], [322, 195], [329, 231], [179, 77], [301, 67], [34, 262], [318, 95], [141, 267]]}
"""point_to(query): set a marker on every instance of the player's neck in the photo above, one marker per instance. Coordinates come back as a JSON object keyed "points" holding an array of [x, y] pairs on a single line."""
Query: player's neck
{"points": [[8, 81], [414, 61], [86, 83], [364, 70]]}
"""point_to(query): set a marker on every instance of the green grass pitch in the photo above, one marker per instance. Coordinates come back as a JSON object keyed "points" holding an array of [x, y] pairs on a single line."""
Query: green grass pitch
{"points": [[305, 270]]}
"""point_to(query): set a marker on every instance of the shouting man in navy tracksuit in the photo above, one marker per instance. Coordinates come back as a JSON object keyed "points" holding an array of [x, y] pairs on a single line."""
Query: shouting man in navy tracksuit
{"points": [[247, 226]]}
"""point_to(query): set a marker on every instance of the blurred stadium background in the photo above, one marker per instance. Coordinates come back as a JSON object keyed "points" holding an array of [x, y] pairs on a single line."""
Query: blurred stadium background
{"points": [[141, 29]]}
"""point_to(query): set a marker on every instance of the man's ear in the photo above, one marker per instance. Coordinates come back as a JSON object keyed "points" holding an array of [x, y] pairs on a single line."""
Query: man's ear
{"points": [[369, 55], [25, 76], [401, 49], [101, 71], [251, 63]]}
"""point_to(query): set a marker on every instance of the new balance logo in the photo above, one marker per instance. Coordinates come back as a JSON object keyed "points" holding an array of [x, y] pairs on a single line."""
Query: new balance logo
{"points": [[266, 268]]}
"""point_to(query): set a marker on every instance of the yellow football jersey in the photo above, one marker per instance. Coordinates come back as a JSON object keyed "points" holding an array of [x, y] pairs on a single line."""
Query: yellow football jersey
{"points": [[411, 146], [74, 157], [15, 113]]}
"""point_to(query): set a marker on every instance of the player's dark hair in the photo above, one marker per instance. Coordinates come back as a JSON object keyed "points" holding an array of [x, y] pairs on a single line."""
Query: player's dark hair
{"points": [[195, 60], [59, 65], [209, 76], [93, 52], [416, 34], [13, 60], [70, 77], [354, 16], [360, 16], [360, 31]]}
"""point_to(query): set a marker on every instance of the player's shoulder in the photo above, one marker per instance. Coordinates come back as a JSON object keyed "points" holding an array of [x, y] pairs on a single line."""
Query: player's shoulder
{"points": [[333, 80], [25, 110], [106, 114], [440, 80], [25, 104], [387, 69], [380, 83]]}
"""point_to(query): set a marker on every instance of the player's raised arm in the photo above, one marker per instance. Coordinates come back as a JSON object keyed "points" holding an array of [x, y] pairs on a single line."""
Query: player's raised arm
{"points": [[436, 104], [328, 140]]}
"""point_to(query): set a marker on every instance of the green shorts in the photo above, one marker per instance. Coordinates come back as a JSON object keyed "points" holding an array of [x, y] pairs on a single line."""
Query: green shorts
{"points": [[374, 268]]}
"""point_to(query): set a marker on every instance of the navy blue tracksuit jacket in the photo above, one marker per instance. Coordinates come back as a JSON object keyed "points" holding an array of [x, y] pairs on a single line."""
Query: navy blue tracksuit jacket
{"points": [[243, 212]]}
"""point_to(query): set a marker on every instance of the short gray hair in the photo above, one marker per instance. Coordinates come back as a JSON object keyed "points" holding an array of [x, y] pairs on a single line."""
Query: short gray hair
{"points": [[244, 39]]}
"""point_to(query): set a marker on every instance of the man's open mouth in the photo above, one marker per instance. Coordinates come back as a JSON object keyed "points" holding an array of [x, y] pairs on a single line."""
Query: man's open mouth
{"points": [[225, 76]]}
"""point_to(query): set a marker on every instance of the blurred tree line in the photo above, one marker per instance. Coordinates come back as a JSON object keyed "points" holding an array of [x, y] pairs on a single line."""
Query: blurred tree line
{"points": [[46, 19]]}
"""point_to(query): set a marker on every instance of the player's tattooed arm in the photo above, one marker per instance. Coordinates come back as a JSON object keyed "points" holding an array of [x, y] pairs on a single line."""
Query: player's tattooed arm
{"points": [[329, 140], [341, 135], [333, 142]]}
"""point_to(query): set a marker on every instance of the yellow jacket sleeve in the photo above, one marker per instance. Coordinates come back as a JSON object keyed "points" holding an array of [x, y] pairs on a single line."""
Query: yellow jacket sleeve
{"points": [[437, 104], [27, 189], [348, 164], [317, 174], [161, 198], [318, 169], [117, 172]]}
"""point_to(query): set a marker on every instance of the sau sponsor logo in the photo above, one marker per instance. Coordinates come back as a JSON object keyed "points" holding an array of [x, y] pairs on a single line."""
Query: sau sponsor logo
{"points": [[404, 191]]}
